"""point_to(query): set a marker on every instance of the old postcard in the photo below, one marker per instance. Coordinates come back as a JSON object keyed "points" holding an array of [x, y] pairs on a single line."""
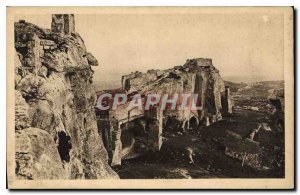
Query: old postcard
{"points": [[150, 98]]}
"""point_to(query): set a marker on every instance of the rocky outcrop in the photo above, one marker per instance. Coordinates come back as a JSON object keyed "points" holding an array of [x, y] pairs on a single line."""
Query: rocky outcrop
{"points": [[197, 76], [276, 104], [56, 128]]}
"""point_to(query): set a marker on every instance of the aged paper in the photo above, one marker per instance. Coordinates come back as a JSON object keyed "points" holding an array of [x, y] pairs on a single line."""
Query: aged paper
{"points": [[150, 98]]}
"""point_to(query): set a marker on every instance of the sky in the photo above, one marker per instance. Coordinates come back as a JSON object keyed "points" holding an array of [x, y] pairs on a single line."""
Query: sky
{"points": [[245, 47]]}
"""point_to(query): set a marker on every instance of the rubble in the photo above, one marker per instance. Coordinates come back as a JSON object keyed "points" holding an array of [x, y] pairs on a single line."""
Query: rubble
{"points": [[246, 150]]}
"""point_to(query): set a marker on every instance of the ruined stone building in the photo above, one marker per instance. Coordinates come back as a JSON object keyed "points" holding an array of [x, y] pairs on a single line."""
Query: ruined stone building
{"points": [[128, 133], [55, 122]]}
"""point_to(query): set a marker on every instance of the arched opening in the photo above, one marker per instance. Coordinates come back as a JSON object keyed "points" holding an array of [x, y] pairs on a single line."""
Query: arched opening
{"points": [[127, 134], [210, 105], [171, 124], [133, 136], [193, 122]]}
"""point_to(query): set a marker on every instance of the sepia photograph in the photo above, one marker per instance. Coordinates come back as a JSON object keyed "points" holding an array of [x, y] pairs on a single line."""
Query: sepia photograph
{"points": [[150, 97]]}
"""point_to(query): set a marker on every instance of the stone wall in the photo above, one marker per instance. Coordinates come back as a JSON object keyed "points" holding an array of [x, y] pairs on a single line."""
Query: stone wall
{"points": [[63, 23], [56, 128]]}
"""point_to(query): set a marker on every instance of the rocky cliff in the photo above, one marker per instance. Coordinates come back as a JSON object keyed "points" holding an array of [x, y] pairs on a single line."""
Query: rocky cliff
{"points": [[55, 122]]}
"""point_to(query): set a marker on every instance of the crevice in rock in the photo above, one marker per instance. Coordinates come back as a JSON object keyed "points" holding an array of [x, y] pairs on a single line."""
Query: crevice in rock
{"points": [[22, 50], [64, 146]]}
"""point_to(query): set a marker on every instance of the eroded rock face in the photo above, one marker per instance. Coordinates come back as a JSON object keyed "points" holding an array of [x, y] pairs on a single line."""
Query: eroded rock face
{"points": [[197, 76], [56, 130], [37, 156], [21, 112]]}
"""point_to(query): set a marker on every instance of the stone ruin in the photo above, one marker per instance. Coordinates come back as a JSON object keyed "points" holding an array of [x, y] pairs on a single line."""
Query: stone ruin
{"points": [[276, 103], [55, 122], [127, 133], [63, 23]]}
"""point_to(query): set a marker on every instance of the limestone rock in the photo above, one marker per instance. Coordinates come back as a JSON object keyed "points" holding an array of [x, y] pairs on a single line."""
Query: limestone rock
{"points": [[18, 69], [92, 60], [44, 117], [37, 156], [54, 96], [21, 112]]}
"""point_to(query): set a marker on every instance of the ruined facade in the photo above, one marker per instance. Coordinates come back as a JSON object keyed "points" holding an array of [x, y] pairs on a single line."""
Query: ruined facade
{"points": [[55, 123], [126, 132], [63, 23]]}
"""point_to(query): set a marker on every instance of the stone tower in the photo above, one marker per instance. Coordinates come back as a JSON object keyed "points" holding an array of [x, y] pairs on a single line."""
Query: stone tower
{"points": [[63, 23]]}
